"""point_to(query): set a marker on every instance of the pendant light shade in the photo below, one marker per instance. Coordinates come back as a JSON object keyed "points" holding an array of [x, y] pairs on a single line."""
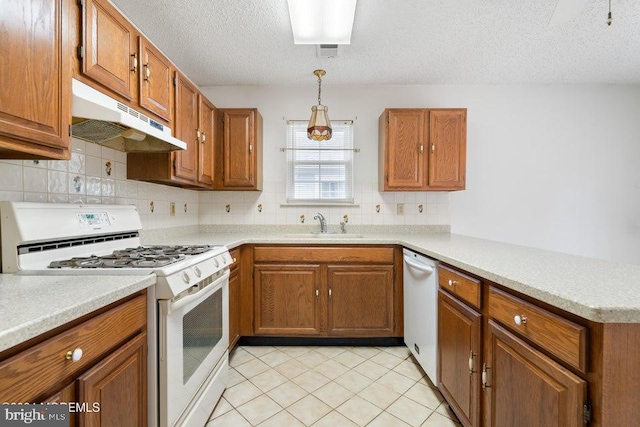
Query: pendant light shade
{"points": [[319, 128]]}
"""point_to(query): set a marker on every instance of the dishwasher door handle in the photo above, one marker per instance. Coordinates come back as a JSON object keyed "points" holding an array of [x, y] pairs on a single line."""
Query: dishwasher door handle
{"points": [[418, 265]]}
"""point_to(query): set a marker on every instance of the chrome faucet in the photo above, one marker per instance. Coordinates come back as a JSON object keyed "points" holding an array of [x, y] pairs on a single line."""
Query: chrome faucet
{"points": [[323, 222]]}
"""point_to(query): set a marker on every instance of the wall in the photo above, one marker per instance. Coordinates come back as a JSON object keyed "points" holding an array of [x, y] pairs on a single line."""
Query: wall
{"points": [[553, 167], [84, 179]]}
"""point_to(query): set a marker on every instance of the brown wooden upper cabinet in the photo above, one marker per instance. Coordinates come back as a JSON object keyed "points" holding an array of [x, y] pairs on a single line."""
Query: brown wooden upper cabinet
{"points": [[116, 57], [195, 121], [422, 149], [239, 150], [35, 82]]}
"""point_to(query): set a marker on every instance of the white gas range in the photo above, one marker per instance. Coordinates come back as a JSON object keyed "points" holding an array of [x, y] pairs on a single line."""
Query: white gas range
{"points": [[187, 310]]}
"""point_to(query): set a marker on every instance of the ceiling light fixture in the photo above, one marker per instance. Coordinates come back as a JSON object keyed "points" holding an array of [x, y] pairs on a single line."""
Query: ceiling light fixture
{"points": [[609, 16], [322, 21], [319, 128]]}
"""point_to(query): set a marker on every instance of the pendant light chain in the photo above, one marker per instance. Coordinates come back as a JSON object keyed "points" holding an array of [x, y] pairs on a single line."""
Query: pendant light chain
{"points": [[319, 89], [609, 20]]}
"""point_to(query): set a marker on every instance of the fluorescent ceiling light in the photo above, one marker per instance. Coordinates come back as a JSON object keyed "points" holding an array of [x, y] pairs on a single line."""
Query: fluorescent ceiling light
{"points": [[322, 21]]}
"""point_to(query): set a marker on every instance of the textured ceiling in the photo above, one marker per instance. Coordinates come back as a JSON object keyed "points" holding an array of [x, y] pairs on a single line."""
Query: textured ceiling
{"points": [[249, 42]]}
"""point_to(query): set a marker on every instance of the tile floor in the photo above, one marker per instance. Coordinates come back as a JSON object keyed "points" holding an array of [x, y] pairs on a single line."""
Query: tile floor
{"points": [[328, 386]]}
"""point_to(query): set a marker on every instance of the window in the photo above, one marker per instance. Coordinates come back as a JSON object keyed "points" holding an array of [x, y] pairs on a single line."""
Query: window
{"points": [[320, 171]]}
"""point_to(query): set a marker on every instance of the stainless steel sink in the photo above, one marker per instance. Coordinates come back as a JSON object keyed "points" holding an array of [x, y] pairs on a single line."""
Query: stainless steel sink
{"points": [[336, 236]]}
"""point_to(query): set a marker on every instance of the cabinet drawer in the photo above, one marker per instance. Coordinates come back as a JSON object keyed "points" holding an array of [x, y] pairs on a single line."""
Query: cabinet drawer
{"points": [[560, 337], [44, 368], [464, 287], [382, 255]]}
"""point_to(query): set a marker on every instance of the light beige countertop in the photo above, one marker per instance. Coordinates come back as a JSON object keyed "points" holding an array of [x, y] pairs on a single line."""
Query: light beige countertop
{"points": [[33, 305], [597, 290]]}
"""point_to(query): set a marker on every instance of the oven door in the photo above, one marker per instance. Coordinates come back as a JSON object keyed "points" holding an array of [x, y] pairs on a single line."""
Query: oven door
{"points": [[193, 337]]}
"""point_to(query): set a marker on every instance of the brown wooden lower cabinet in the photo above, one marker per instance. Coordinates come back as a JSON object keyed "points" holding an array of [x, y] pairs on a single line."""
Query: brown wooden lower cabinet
{"points": [[459, 341], [527, 388], [325, 291], [108, 383]]}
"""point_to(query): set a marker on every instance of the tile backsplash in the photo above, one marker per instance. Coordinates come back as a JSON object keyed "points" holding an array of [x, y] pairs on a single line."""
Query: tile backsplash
{"points": [[97, 175]]}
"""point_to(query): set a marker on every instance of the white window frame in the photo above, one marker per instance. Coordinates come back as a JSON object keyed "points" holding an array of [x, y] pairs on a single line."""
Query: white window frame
{"points": [[338, 151]]}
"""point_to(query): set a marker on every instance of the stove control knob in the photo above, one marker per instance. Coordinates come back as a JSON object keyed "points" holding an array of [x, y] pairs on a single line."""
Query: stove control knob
{"points": [[197, 271], [215, 261], [185, 277]]}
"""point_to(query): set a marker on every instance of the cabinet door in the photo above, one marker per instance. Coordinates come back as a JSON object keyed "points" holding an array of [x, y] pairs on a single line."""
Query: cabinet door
{"points": [[109, 48], [186, 120], [155, 80], [234, 308], [458, 340], [66, 395], [406, 149], [35, 78], [119, 385], [286, 299], [360, 300], [448, 149], [527, 388], [238, 145], [207, 138]]}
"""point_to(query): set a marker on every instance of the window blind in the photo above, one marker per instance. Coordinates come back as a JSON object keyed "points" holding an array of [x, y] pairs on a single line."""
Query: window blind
{"points": [[320, 171]]}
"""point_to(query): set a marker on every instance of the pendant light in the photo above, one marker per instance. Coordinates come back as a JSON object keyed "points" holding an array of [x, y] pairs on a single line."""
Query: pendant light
{"points": [[319, 128]]}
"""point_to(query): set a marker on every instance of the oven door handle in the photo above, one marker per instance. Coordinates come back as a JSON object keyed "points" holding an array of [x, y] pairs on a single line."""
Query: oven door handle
{"points": [[170, 306]]}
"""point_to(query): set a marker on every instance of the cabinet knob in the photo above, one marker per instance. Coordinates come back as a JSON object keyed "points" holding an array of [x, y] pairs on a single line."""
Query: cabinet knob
{"points": [[484, 377], [234, 260], [471, 354], [204, 137], [74, 355], [421, 148], [433, 148], [134, 63], [251, 148], [453, 282], [317, 293], [520, 319], [147, 72]]}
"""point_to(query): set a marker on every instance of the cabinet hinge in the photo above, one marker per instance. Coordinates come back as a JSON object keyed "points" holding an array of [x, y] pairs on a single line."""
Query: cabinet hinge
{"points": [[175, 81], [586, 413], [80, 51], [69, 130], [174, 164]]}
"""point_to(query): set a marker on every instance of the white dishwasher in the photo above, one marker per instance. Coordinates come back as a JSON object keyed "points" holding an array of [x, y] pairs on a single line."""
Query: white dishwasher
{"points": [[420, 277]]}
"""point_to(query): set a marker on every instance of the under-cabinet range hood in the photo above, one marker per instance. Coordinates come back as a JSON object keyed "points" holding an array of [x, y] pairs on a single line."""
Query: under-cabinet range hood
{"points": [[103, 120]]}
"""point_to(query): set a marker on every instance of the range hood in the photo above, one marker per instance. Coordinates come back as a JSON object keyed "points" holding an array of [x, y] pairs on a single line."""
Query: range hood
{"points": [[102, 120]]}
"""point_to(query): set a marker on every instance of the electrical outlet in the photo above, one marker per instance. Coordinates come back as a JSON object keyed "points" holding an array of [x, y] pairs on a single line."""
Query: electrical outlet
{"points": [[172, 208], [400, 208]]}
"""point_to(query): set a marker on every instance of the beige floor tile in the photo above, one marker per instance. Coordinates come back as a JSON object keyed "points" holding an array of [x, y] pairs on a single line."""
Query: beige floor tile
{"points": [[259, 351], [366, 352], [291, 368], [234, 378], [353, 381], [313, 359], [379, 395], [241, 393], [309, 409], [259, 409], [231, 418], [437, 420], [387, 360], [349, 359], [239, 356], [334, 419], [268, 379], [400, 351], [331, 369], [409, 411], [252, 368], [359, 410], [333, 394], [331, 351], [287, 393], [396, 382], [410, 370], [385, 419], [294, 351], [282, 419], [221, 408], [275, 358], [371, 370], [310, 380], [424, 395], [445, 410]]}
